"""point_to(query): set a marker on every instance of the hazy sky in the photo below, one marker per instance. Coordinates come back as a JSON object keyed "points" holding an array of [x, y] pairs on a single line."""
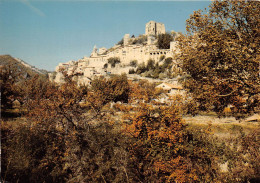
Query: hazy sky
{"points": [[46, 32]]}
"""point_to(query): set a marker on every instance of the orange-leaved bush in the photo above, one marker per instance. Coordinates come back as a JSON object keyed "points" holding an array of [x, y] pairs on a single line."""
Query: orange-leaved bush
{"points": [[158, 148]]}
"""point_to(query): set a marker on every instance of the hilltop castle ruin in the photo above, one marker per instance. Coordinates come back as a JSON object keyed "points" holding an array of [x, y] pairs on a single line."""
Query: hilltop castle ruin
{"points": [[139, 49], [154, 28]]}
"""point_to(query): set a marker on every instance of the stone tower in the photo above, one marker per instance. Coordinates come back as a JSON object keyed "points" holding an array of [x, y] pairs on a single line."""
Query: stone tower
{"points": [[150, 40], [94, 52], [154, 28], [126, 39]]}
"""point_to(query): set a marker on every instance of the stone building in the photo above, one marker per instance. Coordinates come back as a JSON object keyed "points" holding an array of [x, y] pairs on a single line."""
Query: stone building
{"points": [[97, 62], [154, 28]]}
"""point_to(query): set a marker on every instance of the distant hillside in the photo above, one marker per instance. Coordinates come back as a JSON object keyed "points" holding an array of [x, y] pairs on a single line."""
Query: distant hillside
{"points": [[21, 66]]}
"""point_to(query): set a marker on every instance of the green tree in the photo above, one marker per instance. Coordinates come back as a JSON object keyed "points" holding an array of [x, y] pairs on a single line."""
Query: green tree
{"points": [[141, 39], [220, 53], [150, 64], [164, 41], [141, 68], [113, 61], [121, 42], [133, 63], [167, 63]]}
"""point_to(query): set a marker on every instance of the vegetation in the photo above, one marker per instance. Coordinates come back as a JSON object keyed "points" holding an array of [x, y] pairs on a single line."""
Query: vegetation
{"points": [[221, 56], [72, 134], [7, 60], [141, 39], [113, 61], [163, 41], [12, 77], [115, 130], [9, 77], [121, 42], [154, 70], [133, 63], [114, 89]]}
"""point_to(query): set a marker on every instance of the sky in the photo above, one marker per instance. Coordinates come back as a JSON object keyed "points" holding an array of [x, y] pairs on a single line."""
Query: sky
{"points": [[44, 33]]}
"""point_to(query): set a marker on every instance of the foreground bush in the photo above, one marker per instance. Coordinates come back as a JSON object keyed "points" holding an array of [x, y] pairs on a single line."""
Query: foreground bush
{"points": [[72, 136]]}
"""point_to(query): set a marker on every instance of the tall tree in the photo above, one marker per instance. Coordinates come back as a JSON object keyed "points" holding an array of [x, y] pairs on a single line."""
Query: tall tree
{"points": [[220, 53], [164, 41], [9, 77]]}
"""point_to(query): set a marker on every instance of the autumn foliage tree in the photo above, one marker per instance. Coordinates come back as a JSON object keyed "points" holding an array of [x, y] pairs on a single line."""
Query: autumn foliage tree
{"points": [[65, 140], [143, 91], [162, 150], [69, 134], [112, 89], [9, 77], [220, 53]]}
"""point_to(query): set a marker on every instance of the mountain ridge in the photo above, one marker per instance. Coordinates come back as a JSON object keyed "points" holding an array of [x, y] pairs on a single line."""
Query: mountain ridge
{"points": [[21, 65]]}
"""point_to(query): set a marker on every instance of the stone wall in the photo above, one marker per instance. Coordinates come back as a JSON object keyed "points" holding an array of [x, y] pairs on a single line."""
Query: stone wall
{"points": [[154, 28], [97, 63]]}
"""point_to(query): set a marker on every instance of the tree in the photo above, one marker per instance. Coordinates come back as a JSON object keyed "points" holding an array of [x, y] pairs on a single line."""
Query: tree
{"points": [[164, 41], [220, 53], [143, 91], [113, 89], [113, 61], [121, 42], [133, 63], [141, 68], [163, 150], [105, 66], [141, 39], [150, 64], [167, 63], [156, 145], [59, 142], [10, 77]]}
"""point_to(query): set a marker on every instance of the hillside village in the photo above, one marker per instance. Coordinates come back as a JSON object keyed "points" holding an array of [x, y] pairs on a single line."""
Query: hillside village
{"points": [[158, 107], [129, 52]]}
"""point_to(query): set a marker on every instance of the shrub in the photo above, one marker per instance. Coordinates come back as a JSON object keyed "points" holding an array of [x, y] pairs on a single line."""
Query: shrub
{"points": [[121, 42], [162, 57], [113, 61], [131, 71], [133, 63], [164, 40]]}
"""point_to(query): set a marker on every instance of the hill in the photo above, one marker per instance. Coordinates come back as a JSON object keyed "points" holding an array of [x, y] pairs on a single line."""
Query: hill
{"points": [[24, 68]]}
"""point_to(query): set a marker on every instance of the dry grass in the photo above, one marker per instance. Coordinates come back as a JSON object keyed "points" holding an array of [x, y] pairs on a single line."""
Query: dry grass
{"points": [[221, 127]]}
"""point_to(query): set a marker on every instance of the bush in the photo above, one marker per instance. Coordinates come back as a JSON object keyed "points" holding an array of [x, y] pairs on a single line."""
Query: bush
{"points": [[141, 68], [121, 42], [113, 89], [162, 76], [150, 64], [133, 63], [113, 61], [164, 40], [139, 40], [162, 57], [131, 71]]}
